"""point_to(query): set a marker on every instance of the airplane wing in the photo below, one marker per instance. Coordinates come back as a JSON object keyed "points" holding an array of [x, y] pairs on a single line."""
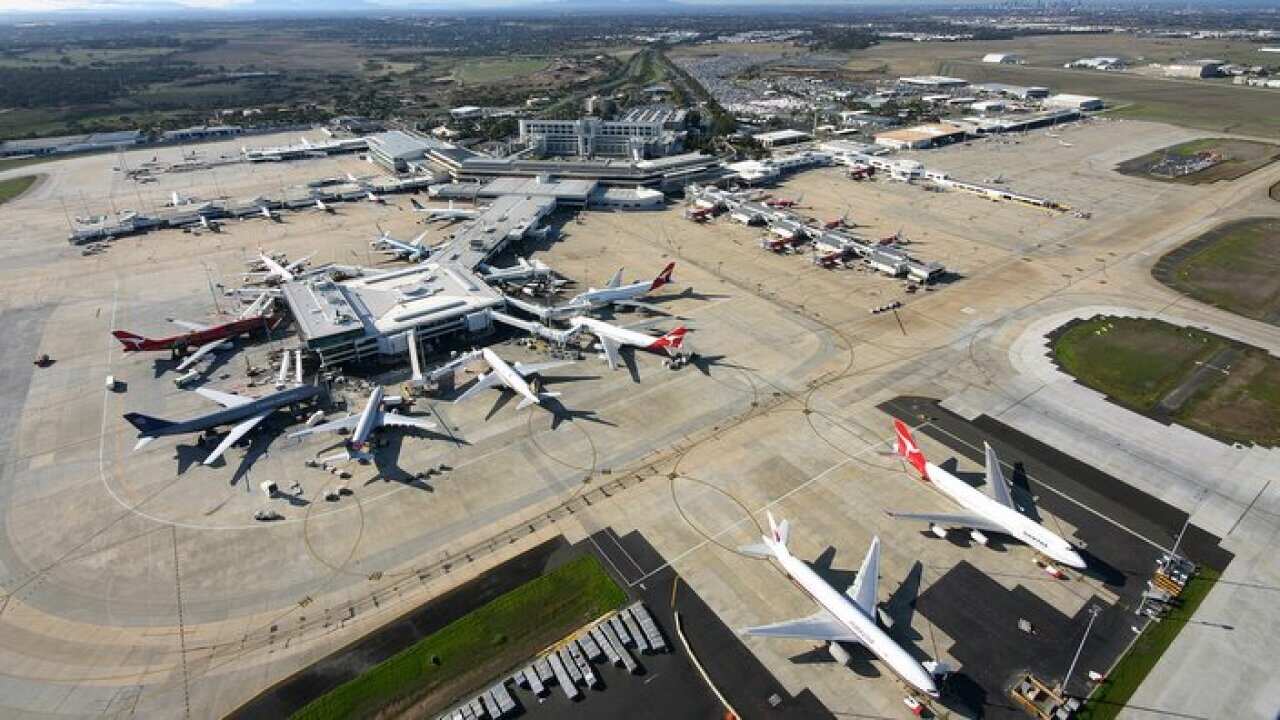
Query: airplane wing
{"points": [[398, 420], [995, 478], [648, 307], [863, 592], [821, 625], [234, 436], [611, 349], [487, 381], [345, 423], [197, 327], [526, 369], [200, 352], [224, 399], [975, 522]]}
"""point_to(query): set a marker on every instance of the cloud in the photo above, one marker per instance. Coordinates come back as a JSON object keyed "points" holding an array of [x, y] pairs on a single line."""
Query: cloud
{"points": [[42, 6]]}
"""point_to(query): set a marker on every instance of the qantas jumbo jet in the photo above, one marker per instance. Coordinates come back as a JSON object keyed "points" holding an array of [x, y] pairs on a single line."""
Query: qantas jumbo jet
{"points": [[994, 513], [201, 339], [848, 617]]}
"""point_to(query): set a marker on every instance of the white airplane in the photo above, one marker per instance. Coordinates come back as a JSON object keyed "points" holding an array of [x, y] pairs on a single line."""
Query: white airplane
{"points": [[210, 225], [993, 514], [176, 199], [449, 213], [266, 213], [413, 250], [373, 197], [275, 272], [613, 338], [843, 618], [521, 271], [510, 376], [255, 309], [323, 206], [613, 293], [362, 426]]}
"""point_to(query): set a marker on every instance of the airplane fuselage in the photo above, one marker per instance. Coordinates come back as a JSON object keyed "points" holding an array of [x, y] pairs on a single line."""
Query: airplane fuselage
{"points": [[596, 297], [195, 338], [865, 628], [228, 416], [368, 419], [509, 376], [1015, 524], [622, 336]]}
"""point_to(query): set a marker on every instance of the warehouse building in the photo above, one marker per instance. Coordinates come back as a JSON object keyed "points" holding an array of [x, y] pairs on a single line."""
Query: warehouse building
{"points": [[1020, 92], [778, 138], [72, 143], [1073, 102], [399, 151], [592, 137], [932, 82], [922, 136], [202, 132], [1193, 68]]}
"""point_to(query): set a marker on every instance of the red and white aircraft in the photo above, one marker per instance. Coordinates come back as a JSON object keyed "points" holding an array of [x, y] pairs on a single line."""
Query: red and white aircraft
{"points": [[993, 513], [204, 338], [848, 617], [613, 338]]}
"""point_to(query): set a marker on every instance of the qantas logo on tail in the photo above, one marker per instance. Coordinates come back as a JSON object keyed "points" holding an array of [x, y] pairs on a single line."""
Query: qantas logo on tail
{"points": [[664, 277], [129, 340], [671, 342], [907, 448]]}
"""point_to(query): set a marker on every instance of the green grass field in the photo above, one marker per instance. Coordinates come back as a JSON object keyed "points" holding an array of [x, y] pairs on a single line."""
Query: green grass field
{"points": [[1235, 266], [1137, 362], [1134, 361], [480, 645], [1110, 698], [13, 187], [492, 70]]}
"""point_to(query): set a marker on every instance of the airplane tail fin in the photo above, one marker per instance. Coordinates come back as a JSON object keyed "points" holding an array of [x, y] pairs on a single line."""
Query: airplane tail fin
{"points": [[779, 532], [907, 448], [616, 280], [145, 424], [129, 340], [663, 278], [673, 341]]}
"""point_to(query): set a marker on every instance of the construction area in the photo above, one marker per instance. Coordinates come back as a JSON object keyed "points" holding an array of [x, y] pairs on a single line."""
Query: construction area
{"points": [[144, 582]]}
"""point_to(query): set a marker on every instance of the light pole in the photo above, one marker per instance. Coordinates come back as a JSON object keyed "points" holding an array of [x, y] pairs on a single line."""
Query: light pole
{"points": [[1094, 611]]}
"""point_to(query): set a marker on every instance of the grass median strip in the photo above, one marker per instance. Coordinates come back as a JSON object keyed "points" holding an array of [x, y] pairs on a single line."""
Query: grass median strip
{"points": [[1110, 699], [13, 187], [480, 645]]}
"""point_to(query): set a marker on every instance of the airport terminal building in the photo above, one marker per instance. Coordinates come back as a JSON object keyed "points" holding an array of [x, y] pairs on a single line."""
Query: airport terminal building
{"points": [[591, 137]]}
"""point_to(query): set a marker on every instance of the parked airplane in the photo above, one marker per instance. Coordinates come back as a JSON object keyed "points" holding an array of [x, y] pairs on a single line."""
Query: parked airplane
{"points": [[613, 293], [268, 214], [510, 376], [243, 413], [276, 272], [522, 271], [993, 514], [203, 338], [362, 426], [323, 206], [413, 250], [449, 213], [210, 224], [843, 618], [613, 338], [373, 197]]}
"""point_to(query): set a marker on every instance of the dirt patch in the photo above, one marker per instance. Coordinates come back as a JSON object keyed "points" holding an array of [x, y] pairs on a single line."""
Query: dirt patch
{"points": [[1235, 266], [1202, 161]]}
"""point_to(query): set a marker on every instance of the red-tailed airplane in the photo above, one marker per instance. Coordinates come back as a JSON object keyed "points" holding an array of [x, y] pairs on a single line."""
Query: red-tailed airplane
{"points": [[782, 203], [202, 339]]}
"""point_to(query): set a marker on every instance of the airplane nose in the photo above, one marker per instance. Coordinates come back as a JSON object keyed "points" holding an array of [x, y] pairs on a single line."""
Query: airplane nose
{"points": [[1073, 559]]}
